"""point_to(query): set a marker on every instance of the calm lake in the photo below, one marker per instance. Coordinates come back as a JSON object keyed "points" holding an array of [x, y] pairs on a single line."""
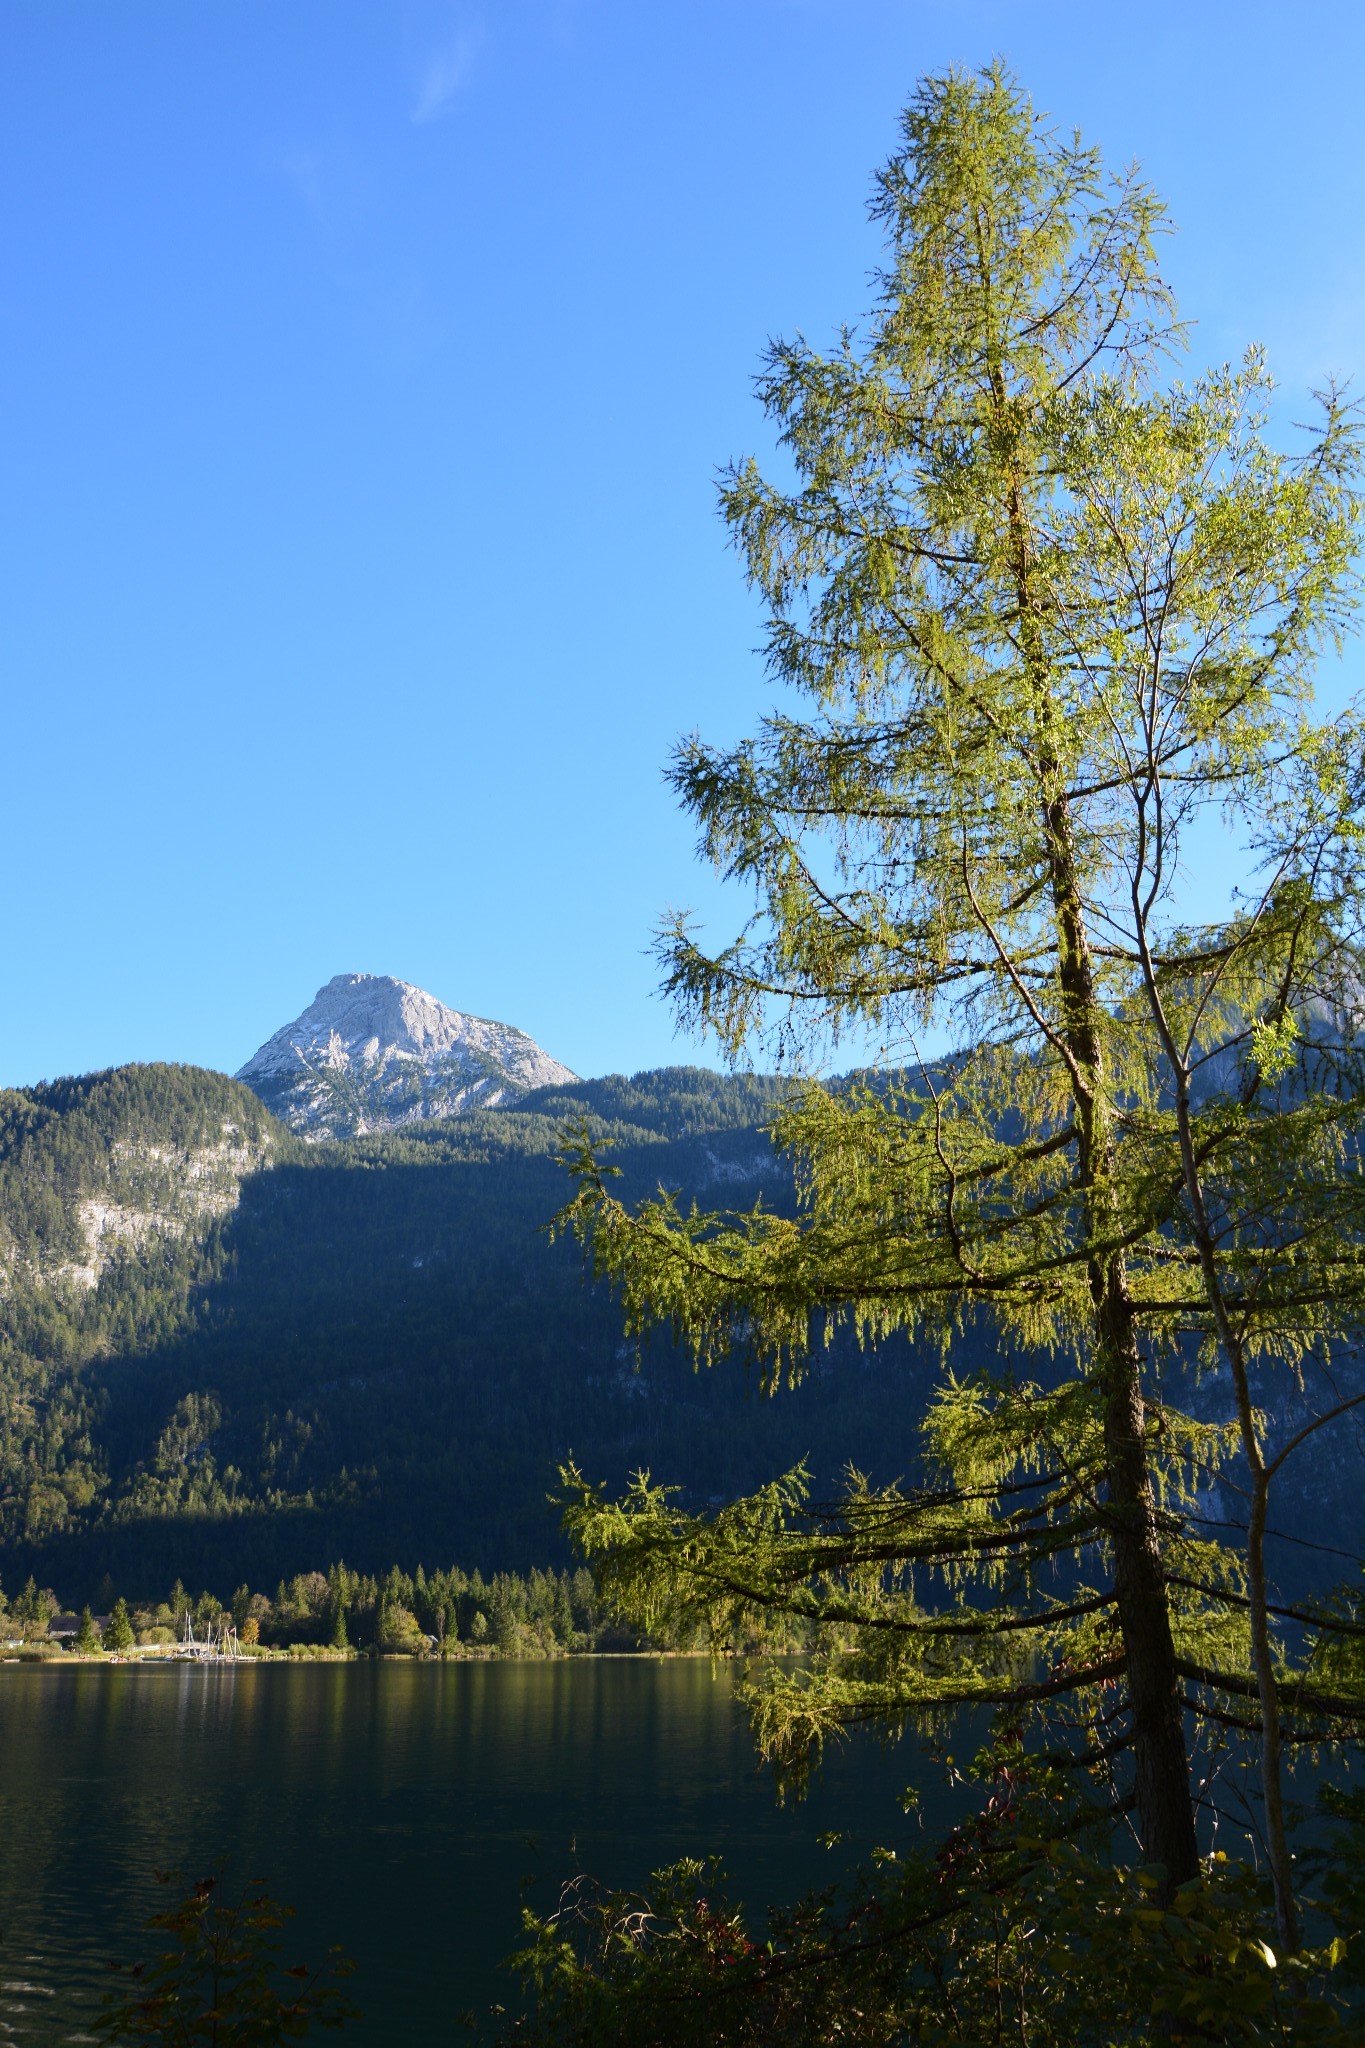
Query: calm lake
{"points": [[399, 1806]]}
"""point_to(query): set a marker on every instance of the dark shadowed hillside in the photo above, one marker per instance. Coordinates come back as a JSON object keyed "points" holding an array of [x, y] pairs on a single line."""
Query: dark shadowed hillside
{"points": [[229, 1354]]}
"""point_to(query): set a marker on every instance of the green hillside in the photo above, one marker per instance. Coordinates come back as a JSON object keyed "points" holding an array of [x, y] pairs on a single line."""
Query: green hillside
{"points": [[228, 1354]]}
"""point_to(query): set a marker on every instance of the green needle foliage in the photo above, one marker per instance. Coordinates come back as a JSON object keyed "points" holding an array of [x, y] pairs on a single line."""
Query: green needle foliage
{"points": [[1044, 620], [118, 1634]]}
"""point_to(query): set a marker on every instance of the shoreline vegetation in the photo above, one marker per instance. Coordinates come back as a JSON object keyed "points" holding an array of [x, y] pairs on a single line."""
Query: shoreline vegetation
{"points": [[341, 1614]]}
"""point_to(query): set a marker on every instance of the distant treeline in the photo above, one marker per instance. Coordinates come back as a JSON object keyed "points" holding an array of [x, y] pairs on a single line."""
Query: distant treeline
{"points": [[444, 1612]]}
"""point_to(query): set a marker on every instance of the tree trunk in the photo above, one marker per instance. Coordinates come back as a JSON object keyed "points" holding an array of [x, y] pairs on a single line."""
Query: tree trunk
{"points": [[1161, 1764]]}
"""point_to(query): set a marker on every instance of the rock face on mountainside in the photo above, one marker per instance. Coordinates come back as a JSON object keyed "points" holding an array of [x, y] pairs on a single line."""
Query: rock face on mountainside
{"points": [[370, 1053], [149, 1159]]}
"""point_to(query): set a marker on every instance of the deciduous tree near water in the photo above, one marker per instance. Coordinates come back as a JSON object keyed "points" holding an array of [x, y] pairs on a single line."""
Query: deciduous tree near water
{"points": [[1042, 618]]}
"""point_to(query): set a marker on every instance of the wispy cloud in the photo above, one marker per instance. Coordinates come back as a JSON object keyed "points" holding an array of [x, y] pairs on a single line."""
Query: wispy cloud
{"points": [[304, 169], [442, 76], [329, 180]]}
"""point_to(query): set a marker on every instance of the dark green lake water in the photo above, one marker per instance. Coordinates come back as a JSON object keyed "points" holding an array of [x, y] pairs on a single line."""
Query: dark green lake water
{"points": [[398, 1806]]}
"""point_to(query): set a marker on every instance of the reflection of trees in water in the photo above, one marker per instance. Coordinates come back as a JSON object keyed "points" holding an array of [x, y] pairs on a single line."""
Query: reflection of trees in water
{"points": [[376, 1795]]}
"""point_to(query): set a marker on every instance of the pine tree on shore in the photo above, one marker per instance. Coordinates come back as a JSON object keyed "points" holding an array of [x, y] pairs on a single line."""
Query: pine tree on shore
{"points": [[118, 1636]]}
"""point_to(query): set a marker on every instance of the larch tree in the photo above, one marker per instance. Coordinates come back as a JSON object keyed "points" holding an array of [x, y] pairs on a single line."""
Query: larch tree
{"points": [[1042, 620]]}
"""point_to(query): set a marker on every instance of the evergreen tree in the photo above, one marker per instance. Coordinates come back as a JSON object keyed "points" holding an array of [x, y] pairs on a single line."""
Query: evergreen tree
{"points": [[118, 1636], [563, 1610], [340, 1639], [87, 1640], [1045, 615]]}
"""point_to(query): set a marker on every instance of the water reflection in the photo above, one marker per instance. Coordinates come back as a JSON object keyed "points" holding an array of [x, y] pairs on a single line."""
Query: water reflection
{"points": [[397, 1805]]}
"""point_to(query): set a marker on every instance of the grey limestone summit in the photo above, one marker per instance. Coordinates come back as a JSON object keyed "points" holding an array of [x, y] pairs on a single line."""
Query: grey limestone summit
{"points": [[370, 1053]]}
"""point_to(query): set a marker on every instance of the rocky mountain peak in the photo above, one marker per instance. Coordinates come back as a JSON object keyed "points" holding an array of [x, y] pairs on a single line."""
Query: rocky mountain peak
{"points": [[371, 1052]]}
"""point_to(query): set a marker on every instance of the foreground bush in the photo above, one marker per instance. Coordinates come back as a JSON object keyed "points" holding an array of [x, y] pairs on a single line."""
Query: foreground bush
{"points": [[219, 1978], [1018, 1929]]}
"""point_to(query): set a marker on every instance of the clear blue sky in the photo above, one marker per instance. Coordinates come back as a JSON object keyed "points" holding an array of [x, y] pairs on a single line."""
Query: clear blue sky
{"points": [[366, 371]]}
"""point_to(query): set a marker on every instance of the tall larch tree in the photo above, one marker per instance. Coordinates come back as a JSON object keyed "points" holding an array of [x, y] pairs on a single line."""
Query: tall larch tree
{"points": [[1038, 617]]}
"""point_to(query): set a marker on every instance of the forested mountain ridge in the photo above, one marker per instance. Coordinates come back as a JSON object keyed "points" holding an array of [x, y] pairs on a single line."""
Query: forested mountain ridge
{"points": [[114, 1190], [227, 1352], [92, 1164], [279, 1350]]}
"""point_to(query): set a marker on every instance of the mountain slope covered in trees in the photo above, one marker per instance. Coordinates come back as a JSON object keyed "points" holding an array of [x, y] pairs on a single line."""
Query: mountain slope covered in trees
{"points": [[226, 1353]]}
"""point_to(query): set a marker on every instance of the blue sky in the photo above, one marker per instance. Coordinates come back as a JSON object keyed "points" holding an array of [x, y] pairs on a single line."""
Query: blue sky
{"points": [[366, 372]]}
